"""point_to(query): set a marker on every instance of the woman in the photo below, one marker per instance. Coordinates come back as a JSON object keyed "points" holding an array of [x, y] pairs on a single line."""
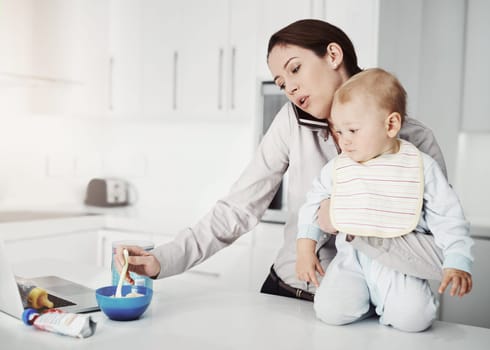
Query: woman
{"points": [[309, 60]]}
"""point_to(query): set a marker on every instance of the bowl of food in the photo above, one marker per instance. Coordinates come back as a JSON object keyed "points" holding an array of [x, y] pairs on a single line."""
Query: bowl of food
{"points": [[130, 306]]}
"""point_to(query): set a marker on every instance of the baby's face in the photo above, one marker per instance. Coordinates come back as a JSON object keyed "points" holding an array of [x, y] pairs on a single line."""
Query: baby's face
{"points": [[361, 128]]}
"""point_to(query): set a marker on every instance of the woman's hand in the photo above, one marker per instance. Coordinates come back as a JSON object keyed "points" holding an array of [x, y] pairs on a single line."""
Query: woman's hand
{"points": [[461, 281], [140, 261], [324, 218], [307, 263]]}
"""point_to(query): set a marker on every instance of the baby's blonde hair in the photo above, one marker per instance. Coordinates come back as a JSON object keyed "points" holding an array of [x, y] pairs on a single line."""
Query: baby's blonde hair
{"points": [[376, 84]]}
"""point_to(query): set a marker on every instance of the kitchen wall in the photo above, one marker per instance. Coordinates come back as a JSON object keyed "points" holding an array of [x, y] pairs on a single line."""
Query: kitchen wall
{"points": [[179, 168], [182, 168], [48, 159]]}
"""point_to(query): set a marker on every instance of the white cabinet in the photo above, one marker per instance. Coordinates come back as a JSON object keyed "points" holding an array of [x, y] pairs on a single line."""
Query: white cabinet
{"points": [[125, 57], [228, 269], [474, 308], [160, 60], [195, 55], [267, 240], [54, 54], [201, 63], [69, 46], [192, 58], [16, 57], [272, 16], [239, 76], [184, 57], [357, 18]]}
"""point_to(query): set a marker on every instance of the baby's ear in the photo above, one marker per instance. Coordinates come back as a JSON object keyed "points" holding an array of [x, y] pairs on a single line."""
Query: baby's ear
{"points": [[393, 124]]}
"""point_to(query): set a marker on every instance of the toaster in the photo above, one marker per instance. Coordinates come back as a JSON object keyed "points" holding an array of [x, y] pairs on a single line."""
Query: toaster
{"points": [[109, 192]]}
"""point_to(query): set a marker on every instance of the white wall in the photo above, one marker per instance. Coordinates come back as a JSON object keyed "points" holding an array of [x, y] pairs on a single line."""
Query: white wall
{"points": [[179, 167]]}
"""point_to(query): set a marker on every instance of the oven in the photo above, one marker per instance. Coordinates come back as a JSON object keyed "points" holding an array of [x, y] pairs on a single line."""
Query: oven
{"points": [[272, 100]]}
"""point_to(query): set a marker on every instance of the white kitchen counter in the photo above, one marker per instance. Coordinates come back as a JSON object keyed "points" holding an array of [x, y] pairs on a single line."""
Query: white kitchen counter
{"points": [[30, 222], [43, 222], [183, 315], [242, 267]]}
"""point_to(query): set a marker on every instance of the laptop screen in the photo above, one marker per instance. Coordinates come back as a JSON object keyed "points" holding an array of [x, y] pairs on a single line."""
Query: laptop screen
{"points": [[66, 295], [10, 301]]}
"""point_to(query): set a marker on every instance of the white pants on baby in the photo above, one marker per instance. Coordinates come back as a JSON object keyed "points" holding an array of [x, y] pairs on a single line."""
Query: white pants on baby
{"points": [[353, 283]]}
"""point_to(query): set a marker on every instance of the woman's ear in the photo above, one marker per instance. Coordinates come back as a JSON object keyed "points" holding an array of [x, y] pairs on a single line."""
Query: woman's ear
{"points": [[393, 124], [334, 55]]}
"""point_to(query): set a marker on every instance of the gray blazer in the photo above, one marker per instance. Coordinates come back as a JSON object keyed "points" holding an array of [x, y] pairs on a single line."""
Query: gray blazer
{"points": [[302, 150]]}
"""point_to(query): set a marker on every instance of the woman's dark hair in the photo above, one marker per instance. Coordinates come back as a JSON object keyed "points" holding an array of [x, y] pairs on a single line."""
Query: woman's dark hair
{"points": [[315, 35]]}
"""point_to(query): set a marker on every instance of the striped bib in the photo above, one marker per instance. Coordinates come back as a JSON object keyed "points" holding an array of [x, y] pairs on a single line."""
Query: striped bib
{"points": [[382, 197]]}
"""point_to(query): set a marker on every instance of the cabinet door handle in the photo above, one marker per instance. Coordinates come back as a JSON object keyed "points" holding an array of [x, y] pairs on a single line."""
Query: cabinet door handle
{"points": [[174, 80], [111, 84], [233, 71], [220, 79]]}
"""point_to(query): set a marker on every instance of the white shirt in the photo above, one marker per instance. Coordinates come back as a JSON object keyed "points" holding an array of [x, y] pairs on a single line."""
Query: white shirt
{"points": [[287, 145]]}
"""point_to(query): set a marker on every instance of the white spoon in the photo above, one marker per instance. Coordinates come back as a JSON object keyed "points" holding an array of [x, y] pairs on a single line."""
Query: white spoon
{"points": [[123, 274]]}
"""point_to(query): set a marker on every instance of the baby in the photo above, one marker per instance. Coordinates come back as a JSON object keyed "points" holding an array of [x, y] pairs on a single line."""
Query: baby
{"points": [[380, 186]]}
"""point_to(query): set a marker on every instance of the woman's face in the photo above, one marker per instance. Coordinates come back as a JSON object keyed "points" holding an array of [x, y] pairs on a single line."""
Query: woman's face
{"points": [[308, 80]]}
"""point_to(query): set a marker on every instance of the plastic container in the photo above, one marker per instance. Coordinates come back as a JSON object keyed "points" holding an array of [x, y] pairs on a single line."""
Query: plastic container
{"points": [[33, 296], [139, 280]]}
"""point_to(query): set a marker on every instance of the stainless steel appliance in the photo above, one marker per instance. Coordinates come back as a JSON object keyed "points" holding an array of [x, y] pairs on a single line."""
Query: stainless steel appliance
{"points": [[273, 99], [109, 192]]}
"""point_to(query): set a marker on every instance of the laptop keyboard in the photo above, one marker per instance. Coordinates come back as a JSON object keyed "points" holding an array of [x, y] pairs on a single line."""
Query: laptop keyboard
{"points": [[59, 302]]}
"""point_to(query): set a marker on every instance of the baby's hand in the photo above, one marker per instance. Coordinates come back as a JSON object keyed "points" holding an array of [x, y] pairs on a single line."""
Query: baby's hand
{"points": [[461, 282], [307, 263]]}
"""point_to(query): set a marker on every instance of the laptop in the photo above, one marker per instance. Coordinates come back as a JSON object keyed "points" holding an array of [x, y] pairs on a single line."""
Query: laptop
{"points": [[66, 295]]}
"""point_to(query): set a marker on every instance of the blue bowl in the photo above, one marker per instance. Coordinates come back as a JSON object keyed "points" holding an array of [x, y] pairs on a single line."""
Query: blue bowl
{"points": [[123, 309]]}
